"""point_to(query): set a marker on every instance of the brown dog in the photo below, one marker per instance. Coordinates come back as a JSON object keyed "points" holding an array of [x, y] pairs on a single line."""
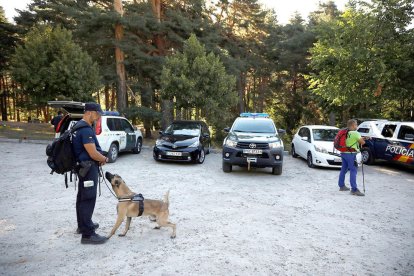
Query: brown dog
{"points": [[154, 208]]}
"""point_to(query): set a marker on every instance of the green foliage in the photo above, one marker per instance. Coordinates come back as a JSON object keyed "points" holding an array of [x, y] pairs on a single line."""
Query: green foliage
{"points": [[195, 79], [365, 56], [50, 65], [142, 113]]}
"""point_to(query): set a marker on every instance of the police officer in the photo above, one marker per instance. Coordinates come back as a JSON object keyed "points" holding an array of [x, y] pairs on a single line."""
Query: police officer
{"points": [[88, 154]]}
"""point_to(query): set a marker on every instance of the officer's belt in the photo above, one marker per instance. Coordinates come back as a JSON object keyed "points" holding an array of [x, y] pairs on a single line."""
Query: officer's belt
{"points": [[138, 198]]}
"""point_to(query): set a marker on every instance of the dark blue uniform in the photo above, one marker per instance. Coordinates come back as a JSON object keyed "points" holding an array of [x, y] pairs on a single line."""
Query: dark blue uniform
{"points": [[86, 198]]}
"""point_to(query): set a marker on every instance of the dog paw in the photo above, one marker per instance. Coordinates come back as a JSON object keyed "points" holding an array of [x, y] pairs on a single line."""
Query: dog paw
{"points": [[173, 237], [157, 228]]}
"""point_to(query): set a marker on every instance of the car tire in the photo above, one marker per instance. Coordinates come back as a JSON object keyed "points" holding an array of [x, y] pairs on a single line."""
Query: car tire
{"points": [[367, 156], [294, 155], [309, 160], [201, 157], [227, 168], [277, 170], [138, 146], [113, 153]]}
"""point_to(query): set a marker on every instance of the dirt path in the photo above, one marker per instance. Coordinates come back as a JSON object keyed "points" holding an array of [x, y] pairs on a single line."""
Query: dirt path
{"points": [[241, 223]]}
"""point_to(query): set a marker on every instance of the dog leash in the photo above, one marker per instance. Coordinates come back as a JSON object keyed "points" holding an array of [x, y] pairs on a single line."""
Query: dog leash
{"points": [[104, 181]]}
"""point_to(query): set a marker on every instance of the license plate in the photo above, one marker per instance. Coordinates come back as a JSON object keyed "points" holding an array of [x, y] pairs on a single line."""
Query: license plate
{"points": [[338, 160], [252, 151], [174, 153]]}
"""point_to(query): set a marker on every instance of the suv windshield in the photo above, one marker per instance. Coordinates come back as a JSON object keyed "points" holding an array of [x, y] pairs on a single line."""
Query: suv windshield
{"points": [[324, 134], [255, 126], [188, 129]]}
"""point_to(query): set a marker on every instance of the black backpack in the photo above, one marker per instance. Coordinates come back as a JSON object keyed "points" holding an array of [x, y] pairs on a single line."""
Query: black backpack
{"points": [[61, 158]]}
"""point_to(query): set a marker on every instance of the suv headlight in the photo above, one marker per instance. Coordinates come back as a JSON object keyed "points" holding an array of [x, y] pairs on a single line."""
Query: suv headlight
{"points": [[320, 149], [274, 145], [230, 143], [195, 144], [158, 142]]}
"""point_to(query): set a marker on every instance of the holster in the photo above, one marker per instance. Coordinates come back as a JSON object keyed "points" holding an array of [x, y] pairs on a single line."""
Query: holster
{"points": [[84, 168]]}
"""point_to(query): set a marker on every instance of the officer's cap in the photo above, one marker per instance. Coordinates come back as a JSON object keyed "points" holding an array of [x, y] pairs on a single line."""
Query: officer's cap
{"points": [[93, 107]]}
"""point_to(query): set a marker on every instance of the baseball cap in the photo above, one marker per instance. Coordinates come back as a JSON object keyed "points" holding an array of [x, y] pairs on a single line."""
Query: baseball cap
{"points": [[93, 107]]}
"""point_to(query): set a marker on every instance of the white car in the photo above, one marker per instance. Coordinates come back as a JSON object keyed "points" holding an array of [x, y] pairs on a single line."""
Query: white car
{"points": [[115, 133], [315, 144]]}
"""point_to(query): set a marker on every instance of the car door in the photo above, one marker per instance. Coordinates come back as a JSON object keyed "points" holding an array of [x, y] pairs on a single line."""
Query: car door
{"points": [[389, 139], [205, 136], [308, 143], [129, 133], [405, 151], [119, 133], [300, 145]]}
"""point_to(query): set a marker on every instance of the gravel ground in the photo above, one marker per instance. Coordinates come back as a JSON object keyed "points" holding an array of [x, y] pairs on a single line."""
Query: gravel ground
{"points": [[240, 223]]}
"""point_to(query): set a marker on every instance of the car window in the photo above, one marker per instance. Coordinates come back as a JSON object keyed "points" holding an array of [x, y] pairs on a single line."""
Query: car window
{"points": [[126, 126], [388, 131], [306, 132], [185, 128], [118, 124], [363, 130], [301, 132], [255, 126], [406, 133], [324, 134], [111, 124]]}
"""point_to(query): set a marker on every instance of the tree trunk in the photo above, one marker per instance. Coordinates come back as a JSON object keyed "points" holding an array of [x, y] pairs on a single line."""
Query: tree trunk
{"points": [[113, 98], [106, 96], [240, 90], [119, 58], [167, 113]]}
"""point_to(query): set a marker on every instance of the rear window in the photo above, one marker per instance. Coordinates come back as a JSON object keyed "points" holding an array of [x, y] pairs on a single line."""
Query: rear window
{"points": [[363, 130], [254, 126]]}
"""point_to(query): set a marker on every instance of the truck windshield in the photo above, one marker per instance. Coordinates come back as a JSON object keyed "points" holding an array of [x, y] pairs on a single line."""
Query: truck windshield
{"points": [[255, 126], [324, 134]]}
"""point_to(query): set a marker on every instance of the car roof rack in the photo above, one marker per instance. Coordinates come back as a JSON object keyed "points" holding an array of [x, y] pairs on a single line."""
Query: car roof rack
{"points": [[254, 115]]}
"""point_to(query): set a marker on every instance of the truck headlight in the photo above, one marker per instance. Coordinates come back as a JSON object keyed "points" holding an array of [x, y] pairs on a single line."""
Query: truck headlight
{"points": [[158, 142], [274, 145], [230, 143], [195, 144], [320, 149]]}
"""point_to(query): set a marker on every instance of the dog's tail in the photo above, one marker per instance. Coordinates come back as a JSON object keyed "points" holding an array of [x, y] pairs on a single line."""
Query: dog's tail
{"points": [[167, 198]]}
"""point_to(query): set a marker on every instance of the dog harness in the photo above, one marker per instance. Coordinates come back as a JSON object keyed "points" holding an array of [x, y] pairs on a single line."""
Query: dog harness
{"points": [[137, 198]]}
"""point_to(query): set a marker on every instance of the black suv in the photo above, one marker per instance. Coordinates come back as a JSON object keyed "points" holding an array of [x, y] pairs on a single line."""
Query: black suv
{"points": [[187, 141], [253, 141]]}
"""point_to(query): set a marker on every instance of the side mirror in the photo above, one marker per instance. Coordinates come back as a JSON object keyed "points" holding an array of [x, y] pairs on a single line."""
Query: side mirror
{"points": [[281, 132], [305, 138], [135, 128], [161, 132], [227, 129]]}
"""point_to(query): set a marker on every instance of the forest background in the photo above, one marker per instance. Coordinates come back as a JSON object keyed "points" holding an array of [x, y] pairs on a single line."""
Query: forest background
{"points": [[156, 61]]}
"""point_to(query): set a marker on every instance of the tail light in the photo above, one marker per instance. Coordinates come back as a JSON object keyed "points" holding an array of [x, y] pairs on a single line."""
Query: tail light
{"points": [[98, 127], [59, 126]]}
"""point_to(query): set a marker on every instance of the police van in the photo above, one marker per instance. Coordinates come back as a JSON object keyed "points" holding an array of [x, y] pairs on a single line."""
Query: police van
{"points": [[115, 133], [391, 141]]}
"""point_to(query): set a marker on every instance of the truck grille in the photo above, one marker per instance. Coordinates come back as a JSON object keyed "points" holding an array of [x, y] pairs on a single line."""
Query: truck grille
{"points": [[246, 145]]}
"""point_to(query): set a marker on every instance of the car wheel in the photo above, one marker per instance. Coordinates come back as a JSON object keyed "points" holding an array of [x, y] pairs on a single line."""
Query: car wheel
{"points": [[227, 167], [201, 157], [367, 157], [310, 160], [294, 155], [277, 170], [113, 153], [138, 146], [155, 157]]}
